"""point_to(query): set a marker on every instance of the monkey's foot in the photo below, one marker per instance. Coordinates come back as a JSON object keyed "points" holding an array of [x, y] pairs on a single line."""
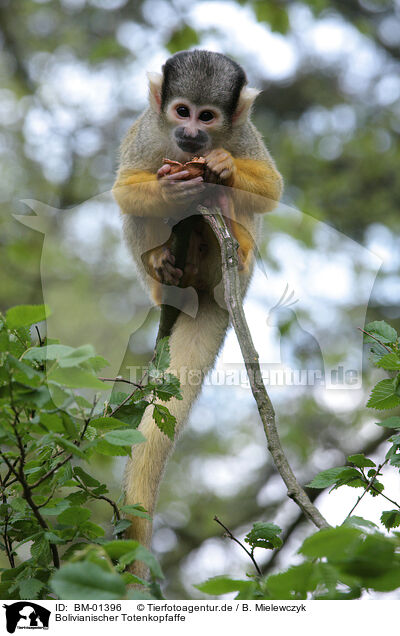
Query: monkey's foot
{"points": [[162, 265]]}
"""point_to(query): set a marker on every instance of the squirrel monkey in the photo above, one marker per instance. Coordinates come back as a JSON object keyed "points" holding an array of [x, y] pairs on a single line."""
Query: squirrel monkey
{"points": [[199, 105]]}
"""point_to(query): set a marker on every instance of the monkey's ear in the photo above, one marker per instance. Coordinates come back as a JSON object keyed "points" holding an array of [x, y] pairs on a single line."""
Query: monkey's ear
{"points": [[245, 102], [155, 83]]}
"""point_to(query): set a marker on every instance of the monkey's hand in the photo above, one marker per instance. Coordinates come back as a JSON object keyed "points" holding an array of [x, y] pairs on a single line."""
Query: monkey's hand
{"points": [[220, 162], [160, 264], [178, 188]]}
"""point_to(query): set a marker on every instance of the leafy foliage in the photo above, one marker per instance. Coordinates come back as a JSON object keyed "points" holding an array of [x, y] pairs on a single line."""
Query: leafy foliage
{"points": [[264, 535], [339, 563], [46, 454], [345, 561]]}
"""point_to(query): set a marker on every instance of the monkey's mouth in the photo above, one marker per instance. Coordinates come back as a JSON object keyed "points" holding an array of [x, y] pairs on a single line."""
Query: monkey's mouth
{"points": [[189, 146]]}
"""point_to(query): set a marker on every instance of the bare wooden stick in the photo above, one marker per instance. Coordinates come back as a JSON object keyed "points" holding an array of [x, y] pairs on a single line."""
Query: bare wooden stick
{"points": [[234, 303]]}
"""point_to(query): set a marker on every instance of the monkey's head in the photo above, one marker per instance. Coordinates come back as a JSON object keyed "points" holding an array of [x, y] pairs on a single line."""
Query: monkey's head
{"points": [[199, 97]]}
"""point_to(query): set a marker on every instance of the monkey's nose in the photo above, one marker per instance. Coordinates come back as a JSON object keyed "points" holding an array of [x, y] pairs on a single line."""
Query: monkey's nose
{"points": [[188, 142], [190, 132]]}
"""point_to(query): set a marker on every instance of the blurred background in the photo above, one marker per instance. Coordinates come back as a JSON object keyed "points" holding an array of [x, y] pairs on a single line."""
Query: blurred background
{"points": [[72, 81]]}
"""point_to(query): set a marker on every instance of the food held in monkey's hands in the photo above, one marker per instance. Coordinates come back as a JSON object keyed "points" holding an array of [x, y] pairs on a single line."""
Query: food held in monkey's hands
{"points": [[195, 167]]}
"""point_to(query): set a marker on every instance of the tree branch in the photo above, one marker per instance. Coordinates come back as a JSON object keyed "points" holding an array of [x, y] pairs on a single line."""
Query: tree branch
{"points": [[20, 475], [369, 448], [51, 471], [231, 536], [370, 485], [233, 299]]}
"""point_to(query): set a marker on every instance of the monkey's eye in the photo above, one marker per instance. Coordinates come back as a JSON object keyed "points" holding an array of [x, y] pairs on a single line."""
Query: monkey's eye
{"points": [[183, 111], [206, 115]]}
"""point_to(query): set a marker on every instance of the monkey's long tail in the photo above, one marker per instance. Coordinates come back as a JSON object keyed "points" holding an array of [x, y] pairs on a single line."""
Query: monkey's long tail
{"points": [[194, 345]]}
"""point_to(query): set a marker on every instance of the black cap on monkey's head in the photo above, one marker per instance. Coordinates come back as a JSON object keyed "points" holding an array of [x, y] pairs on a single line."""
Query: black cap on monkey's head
{"points": [[203, 77]]}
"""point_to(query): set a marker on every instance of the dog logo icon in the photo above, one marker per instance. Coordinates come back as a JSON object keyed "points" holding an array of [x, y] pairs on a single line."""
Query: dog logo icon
{"points": [[26, 615]]}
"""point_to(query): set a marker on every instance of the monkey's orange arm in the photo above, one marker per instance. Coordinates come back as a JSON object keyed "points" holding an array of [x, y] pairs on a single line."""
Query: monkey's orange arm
{"points": [[138, 192], [258, 177]]}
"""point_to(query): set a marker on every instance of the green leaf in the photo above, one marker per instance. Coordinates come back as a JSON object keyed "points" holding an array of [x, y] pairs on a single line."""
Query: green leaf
{"points": [[40, 550], [87, 479], [295, 582], [4, 341], [326, 477], [53, 538], [377, 486], [77, 356], [26, 315], [83, 402], [378, 351], [76, 378], [18, 504], [391, 519], [383, 396], [136, 510], [72, 549], [264, 535], [25, 369], [70, 426], [30, 588], [333, 543], [117, 397], [105, 448], [393, 454], [121, 526], [12, 573], [106, 423], [386, 582], [69, 446], [64, 476], [115, 549], [350, 477], [163, 357], [124, 437], [223, 585], [48, 352], [360, 460], [39, 397], [372, 557], [56, 507], [391, 362], [169, 388], [361, 523], [127, 551], [131, 578], [59, 396], [390, 422], [164, 420], [74, 516], [132, 414], [145, 556], [97, 363], [91, 530], [52, 422], [66, 356], [86, 581], [381, 330]]}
